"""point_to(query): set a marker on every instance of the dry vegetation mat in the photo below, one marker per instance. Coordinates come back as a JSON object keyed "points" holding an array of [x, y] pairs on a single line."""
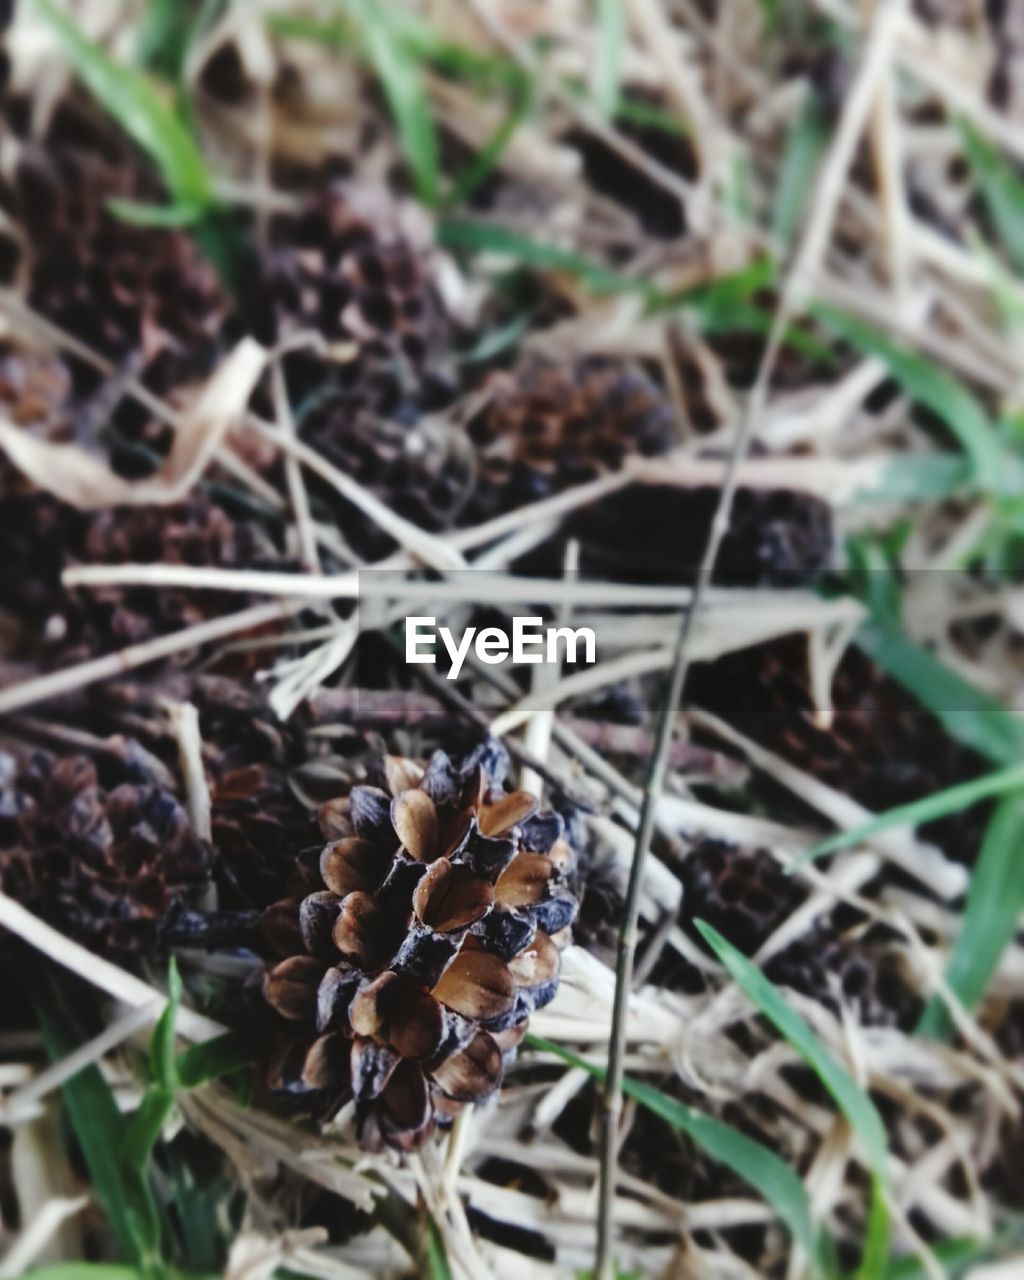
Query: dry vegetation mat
{"points": [[694, 325]]}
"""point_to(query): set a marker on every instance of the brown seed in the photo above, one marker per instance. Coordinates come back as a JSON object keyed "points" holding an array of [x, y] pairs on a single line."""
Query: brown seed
{"points": [[365, 1014], [414, 816], [507, 812], [406, 1114], [327, 1062], [362, 931], [399, 1013], [477, 985], [279, 926], [536, 964], [450, 897], [401, 774], [372, 1065], [334, 820], [415, 1021], [524, 882], [333, 997], [473, 1073], [353, 863], [290, 987]]}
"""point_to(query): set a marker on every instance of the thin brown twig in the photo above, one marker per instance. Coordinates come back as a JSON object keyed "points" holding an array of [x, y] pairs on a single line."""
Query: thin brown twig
{"points": [[805, 262]]}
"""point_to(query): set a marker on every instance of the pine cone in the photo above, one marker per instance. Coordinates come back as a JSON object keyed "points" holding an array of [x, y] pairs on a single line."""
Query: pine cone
{"points": [[108, 864], [549, 427], [417, 954], [883, 748], [40, 537], [743, 893], [422, 471], [859, 974], [141, 296], [356, 268]]}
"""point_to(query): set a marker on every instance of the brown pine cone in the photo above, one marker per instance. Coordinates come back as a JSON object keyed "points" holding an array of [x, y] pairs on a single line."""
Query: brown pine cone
{"points": [[883, 748], [548, 427], [40, 537], [249, 754], [356, 268], [141, 296], [107, 862], [423, 471], [743, 893], [860, 974], [417, 953]]}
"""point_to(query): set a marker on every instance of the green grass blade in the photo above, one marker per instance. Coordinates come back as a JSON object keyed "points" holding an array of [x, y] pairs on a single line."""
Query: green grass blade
{"points": [[144, 1128], [164, 36], [968, 714], [489, 156], [168, 217], [918, 477], [201, 1063], [417, 1233], [852, 1100], [756, 1164], [163, 1067], [940, 805], [1001, 188], [933, 387], [611, 25], [140, 111], [995, 901], [97, 1124], [400, 75], [956, 1256], [804, 148]]}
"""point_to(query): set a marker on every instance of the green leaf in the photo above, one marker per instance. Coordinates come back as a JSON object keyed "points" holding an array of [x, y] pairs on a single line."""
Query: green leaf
{"points": [[489, 156], [967, 713], [417, 1233], [137, 214], [955, 1255], [140, 111], [848, 1095], [1002, 190], [98, 1125], [201, 1063], [918, 477], [756, 1164], [144, 1128], [939, 805], [496, 341], [852, 1100], [165, 34], [162, 1062], [995, 901], [612, 23], [805, 146], [400, 75], [936, 389]]}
